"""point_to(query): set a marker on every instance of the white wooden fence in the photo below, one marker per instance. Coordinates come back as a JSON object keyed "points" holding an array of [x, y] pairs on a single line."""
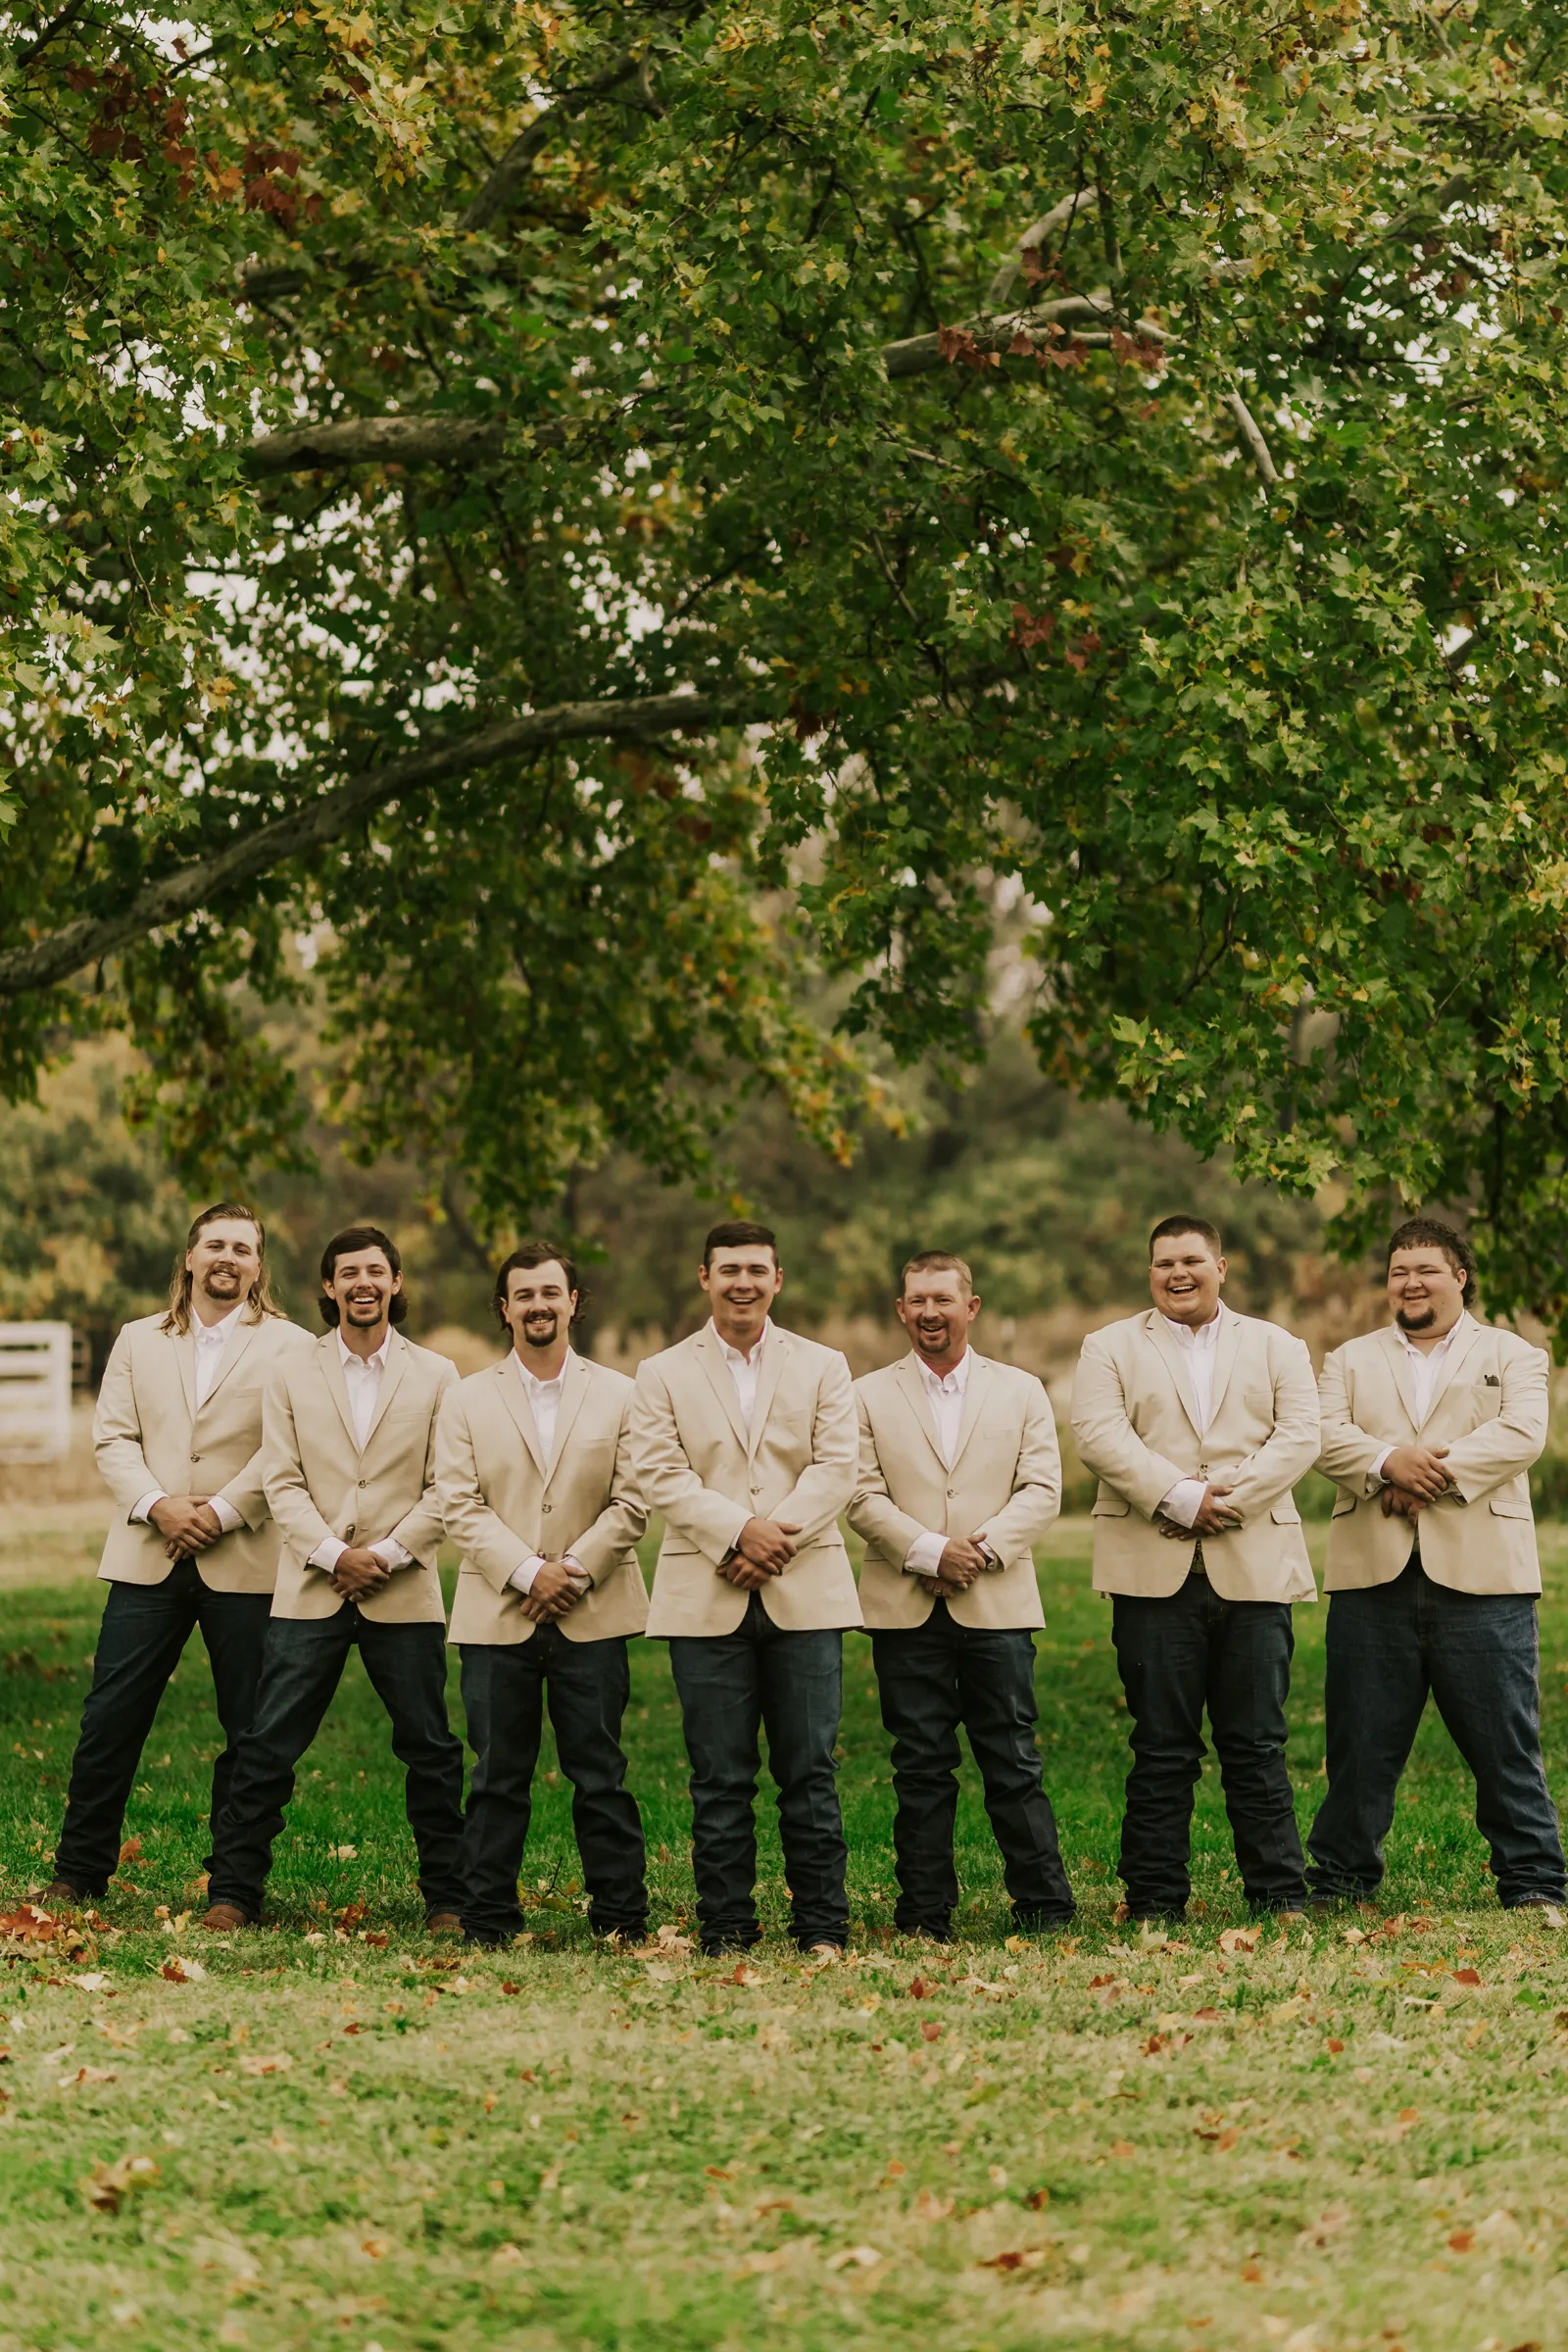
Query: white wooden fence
{"points": [[34, 1392]]}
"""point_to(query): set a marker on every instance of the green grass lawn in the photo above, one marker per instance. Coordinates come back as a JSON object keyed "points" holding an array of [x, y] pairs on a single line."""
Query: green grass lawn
{"points": [[1351, 2136]]}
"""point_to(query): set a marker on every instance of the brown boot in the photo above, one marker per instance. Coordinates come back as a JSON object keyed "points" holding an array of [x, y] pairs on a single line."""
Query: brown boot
{"points": [[224, 1919], [443, 1923], [59, 1895]]}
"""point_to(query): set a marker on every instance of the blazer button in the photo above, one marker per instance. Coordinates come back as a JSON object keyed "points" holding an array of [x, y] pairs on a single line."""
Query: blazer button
{"points": [[195, 1457], [951, 1490], [547, 1508], [348, 1534], [365, 1482]]}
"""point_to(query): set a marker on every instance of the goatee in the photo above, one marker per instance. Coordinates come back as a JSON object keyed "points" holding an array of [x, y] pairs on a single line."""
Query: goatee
{"points": [[1416, 1322]]}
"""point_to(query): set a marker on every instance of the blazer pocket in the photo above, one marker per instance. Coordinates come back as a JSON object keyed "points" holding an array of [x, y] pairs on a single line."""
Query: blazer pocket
{"points": [[1110, 1505], [1343, 1505], [1509, 1506], [1286, 1514]]}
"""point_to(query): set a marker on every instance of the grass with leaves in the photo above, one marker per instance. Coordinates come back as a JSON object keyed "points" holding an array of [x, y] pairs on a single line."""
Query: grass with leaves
{"points": [[1353, 2135]]}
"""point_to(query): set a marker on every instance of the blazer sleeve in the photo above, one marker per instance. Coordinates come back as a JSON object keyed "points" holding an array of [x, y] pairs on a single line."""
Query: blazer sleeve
{"points": [[246, 1491], [1036, 1498], [421, 1530], [117, 1432], [826, 1486], [480, 1533], [1108, 1443], [665, 1479], [1346, 1452], [1488, 1457], [623, 1521], [288, 1497], [872, 1512], [1292, 1447]]}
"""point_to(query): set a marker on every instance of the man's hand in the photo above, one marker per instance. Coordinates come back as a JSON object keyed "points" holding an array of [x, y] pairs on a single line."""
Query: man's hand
{"points": [[1214, 1518], [555, 1592], [1419, 1470], [767, 1544], [187, 1522], [961, 1562], [1398, 1504], [359, 1572], [746, 1579]]}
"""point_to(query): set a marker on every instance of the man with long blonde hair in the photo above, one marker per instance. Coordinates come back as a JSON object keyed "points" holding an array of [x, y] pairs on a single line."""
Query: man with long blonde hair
{"points": [[179, 1436]]}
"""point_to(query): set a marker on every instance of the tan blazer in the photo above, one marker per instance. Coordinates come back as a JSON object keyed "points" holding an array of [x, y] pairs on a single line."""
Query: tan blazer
{"points": [[502, 1502], [698, 1466], [319, 1483], [1489, 1406], [148, 1435], [1135, 1419], [1005, 1483]]}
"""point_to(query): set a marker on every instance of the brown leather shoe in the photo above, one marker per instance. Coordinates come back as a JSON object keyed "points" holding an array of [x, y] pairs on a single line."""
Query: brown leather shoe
{"points": [[224, 1919], [443, 1923], [59, 1895]]}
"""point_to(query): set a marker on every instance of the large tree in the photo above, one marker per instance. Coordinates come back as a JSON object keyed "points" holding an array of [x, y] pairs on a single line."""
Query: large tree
{"points": [[491, 490]]}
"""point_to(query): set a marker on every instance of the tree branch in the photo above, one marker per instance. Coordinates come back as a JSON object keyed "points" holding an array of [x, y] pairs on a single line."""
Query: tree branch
{"points": [[513, 168], [1034, 236], [920, 353], [377, 441], [68, 15], [44, 962], [1253, 437]]}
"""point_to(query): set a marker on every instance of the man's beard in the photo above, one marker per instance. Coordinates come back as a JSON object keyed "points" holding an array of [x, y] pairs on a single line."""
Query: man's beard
{"points": [[541, 1331], [1418, 1320], [362, 1310], [223, 1282]]}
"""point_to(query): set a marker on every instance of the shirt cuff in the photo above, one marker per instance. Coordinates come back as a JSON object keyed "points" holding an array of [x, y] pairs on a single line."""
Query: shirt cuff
{"points": [[326, 1555], [228, 1517], [390, 1552], [924, 1555], [1184, 1502], [521, 1578], [1376, 1470], [141, 1512]]}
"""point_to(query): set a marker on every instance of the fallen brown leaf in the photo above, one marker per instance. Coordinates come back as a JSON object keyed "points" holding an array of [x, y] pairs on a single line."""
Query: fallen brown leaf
{"points": [[108, 2186]]}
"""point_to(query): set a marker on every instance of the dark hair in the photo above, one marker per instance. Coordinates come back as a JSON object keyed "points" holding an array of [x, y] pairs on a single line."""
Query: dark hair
{"points": [[1168, 1228], [360, 1237], [935, 1261], [735, 1234], [532, 1254], [259, 1297], [1447, 1238]]}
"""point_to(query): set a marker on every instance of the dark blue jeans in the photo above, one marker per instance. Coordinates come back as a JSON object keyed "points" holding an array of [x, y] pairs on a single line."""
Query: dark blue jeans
{"points": [[505, 1686], [1478, 1655], [933, 1677], [731, 1687], [140, 1641], [301, 1666], [1176, 1657]]}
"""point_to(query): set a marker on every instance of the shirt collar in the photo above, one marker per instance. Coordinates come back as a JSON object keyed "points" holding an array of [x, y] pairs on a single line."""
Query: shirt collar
{"points": [[377, 1357], [1205, 1334], [946, 1384], [1441, 1346], [733, 1355], [219, 1330], [533, 1379]]}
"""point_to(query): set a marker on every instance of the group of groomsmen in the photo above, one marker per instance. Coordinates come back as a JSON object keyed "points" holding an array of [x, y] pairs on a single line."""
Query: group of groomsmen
{"points": [[289, 1494]]}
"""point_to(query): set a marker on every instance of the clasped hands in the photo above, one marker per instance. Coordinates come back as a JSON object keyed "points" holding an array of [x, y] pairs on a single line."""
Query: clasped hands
{"points": [[1215, 1516], [187, 1523], [1413, 1476], [764, 1547], [963, 1560], [555, 1591]]}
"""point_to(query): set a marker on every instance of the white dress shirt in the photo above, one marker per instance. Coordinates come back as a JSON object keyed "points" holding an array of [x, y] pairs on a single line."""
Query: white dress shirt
{"points": [[945, 1392], [362, 1376], [1424, 1364], [211, 1340], [542, 1399], [1201, 1347], [743, 1370]]}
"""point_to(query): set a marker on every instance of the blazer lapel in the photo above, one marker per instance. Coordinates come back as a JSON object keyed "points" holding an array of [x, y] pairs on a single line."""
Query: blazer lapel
{"points": [[573, 1392], [774, 1350], [397, 1363], [514, 1399], [915, 1390], [239, 1339], [1458, 1348], [332, 1368], [1399, 1366], [1227, 1346], [185, 1346], [974, 1396], [705, 1347], [1176, 1364]]}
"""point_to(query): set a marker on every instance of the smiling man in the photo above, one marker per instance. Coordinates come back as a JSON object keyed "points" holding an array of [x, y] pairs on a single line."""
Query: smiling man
{"points": [[960, 1475], [349, 1457], [179, 1439], [744, 1443], [533, 1470], [1197, 1422], [1430, 1427]]}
